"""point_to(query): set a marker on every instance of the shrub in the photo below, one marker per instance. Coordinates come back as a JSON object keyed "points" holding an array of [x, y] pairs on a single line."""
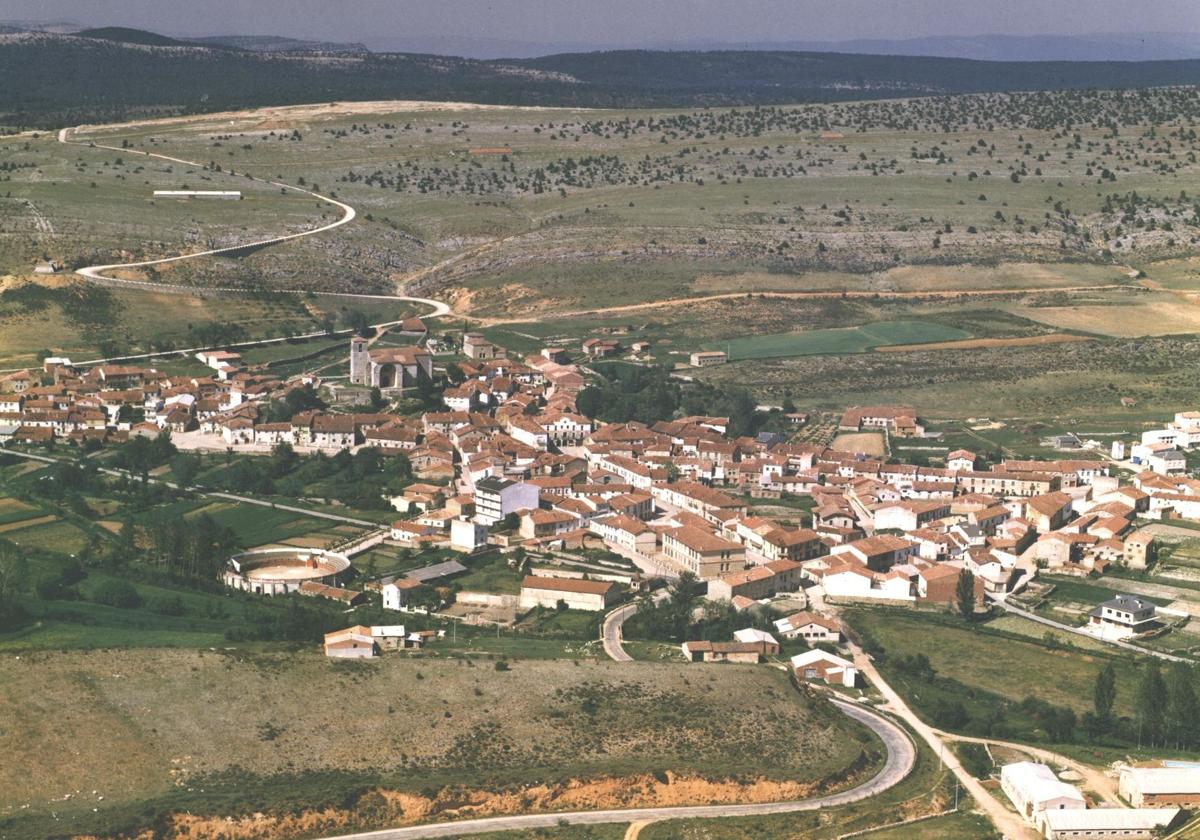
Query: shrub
{"points": [[117, 593]]}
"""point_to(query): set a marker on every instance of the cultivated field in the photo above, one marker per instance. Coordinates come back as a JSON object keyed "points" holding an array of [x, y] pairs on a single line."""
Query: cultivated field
{"points": [[225, 732]]}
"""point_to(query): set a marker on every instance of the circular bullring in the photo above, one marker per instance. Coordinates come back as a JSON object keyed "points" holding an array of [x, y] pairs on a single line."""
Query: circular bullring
{"points": [[278, 571]]}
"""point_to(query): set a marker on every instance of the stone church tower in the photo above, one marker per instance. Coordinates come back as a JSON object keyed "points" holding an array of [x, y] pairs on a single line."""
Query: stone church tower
{"points": [[359, 361]]}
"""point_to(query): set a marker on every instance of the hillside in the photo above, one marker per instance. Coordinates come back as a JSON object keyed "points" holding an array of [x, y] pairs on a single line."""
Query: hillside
{"points": [[59, 79], [217, 734]]}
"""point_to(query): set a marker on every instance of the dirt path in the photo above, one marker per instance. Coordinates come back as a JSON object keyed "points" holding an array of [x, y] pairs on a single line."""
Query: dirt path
{"points": [[815, 294], [635, 829], [1095, 779], [1006, 822]]}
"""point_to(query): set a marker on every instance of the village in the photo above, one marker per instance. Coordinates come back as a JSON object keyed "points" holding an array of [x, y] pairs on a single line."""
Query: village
{"points": [[588, 517]]}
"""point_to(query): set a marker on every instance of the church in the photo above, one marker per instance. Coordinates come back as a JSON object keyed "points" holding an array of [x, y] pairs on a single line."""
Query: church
{"points": [[387, 368]]}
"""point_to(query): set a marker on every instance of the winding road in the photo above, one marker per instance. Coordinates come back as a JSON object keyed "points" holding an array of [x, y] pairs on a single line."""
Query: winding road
{"points": [[900, 750], [102, 273], [901, 756]]}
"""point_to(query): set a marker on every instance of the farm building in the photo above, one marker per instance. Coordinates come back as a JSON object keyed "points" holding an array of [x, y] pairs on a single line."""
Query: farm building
{"points": [[819, 665], [1106, 823], [357, 642], [1033, 788], [1155, 787], [589, 595]]}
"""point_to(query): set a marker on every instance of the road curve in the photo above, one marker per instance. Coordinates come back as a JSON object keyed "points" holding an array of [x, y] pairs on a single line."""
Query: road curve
{"points": [[610, 632], [99, 272], [901, 756]]}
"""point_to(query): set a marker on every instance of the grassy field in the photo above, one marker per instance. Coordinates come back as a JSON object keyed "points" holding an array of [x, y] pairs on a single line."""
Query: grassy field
{"points": [[959, 826], [417, 724], [1011, 666], [128, 321]]}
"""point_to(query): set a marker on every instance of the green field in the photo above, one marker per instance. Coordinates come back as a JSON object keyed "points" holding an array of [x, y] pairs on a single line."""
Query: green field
{"points": [[835, 341], [1000, 665]]}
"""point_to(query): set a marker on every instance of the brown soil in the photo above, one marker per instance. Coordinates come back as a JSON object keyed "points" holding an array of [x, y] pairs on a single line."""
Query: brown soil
{"points": [[382, 807], [978, 343], [27, 523]]}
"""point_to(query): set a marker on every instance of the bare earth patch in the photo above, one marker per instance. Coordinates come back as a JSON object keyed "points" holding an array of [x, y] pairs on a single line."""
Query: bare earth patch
{"points": [[1163, 317], [977, 343], [868, 443]]}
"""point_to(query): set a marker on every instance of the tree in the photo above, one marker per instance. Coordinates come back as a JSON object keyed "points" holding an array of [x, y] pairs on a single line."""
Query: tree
{"points": [[14, 577], [117, 593], [356, 320], [1104, 694], [455, 374], [186, 468], [1182, 707], [1151, 705], [589, 401], [964, 594]]}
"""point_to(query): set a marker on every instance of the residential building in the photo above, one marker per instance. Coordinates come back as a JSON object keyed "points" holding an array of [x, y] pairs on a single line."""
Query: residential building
{"points": [[496, 498], [1124, 614], [703, 553], [810, 627]]}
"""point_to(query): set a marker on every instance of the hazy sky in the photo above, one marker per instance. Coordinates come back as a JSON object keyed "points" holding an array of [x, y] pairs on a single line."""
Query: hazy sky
{"points": [[620, 21]]}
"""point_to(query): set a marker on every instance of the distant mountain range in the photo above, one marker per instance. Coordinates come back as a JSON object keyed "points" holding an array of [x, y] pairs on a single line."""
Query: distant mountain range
{"points": [[1120, 46], [1133, 46], [56, 79]]}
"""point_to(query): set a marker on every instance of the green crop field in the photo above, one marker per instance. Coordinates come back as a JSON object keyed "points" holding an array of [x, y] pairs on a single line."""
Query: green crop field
{"points": [[834, 341]]}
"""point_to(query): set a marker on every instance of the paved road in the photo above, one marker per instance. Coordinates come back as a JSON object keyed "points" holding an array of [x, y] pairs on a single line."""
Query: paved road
{"points": [[901, 755], [610, 632], [1004, 605], [100, 273]]}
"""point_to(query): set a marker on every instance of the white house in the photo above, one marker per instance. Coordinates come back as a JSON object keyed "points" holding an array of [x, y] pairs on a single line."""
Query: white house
{"points": [[467, 535], [395, 594], [810, 627]]}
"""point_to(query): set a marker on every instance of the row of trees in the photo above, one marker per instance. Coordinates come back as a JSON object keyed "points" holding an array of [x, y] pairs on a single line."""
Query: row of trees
{"points": [[1166, 706], [649, 394], [193, 549]]}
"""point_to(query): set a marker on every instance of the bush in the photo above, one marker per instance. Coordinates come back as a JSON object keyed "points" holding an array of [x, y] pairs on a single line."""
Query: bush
{"points": [[117, 593], [975, 759], [170, 605]]}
